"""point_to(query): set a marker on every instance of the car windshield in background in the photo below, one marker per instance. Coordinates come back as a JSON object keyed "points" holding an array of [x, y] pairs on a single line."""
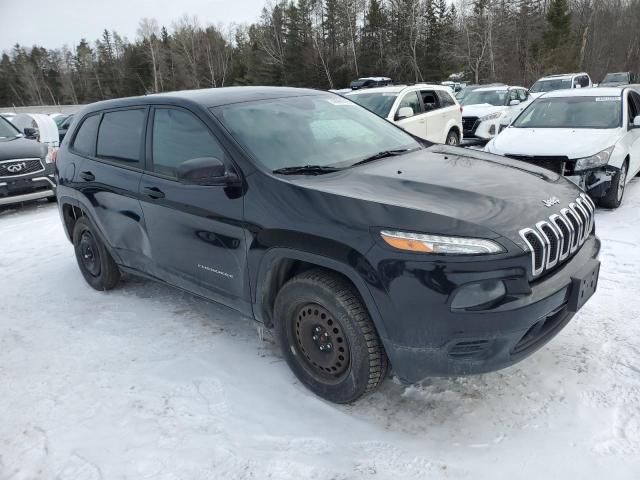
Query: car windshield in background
{"points": [[616, 78], [492, 97], [60, 119], [7, 130], [550, 85], [378, 103], [318, 130], [572, 112]]}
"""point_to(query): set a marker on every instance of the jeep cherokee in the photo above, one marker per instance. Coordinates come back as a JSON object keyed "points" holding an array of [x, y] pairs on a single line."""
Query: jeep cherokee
{"points": [[362, 247]]}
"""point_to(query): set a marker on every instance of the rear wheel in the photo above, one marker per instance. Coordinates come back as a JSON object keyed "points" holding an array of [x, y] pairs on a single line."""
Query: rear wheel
{"points": [[328, 338], [95, 262], [453, 138], [613, 198]]}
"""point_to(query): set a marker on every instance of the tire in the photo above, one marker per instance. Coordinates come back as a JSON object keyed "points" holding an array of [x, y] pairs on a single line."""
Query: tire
{"points": [[453, 138], [95, 262], [319, 309], [614, 196]]}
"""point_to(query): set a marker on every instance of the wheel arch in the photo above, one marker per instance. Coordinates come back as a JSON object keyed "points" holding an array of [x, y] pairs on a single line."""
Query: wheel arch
{"points": [[281, 264]]}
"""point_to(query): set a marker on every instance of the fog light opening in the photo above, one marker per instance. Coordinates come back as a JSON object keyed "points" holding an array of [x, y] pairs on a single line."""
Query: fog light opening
{"points": [[479, 294]]}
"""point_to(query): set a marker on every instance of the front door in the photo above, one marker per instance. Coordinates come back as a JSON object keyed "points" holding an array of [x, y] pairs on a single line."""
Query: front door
{"points": [[196, 233], [417, 123]]}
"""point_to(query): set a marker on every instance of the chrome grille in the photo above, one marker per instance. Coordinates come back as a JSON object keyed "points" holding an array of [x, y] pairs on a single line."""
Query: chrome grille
{"points": [[20, 167], [553, 240]]}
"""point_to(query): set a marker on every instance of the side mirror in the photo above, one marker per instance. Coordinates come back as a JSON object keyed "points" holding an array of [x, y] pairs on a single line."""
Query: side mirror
{"points": [[513, 103], [404, 112], [205, 171], [636, 122], [31, 133]]}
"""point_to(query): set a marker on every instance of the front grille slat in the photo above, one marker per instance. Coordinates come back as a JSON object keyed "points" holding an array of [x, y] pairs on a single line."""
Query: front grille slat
{"points": [[555, 239], [20, 167]]}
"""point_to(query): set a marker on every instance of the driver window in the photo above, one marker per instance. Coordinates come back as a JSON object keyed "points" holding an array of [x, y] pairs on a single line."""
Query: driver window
{"points": [[632, 106], [411, 100], [522, 95], [179, 136]]}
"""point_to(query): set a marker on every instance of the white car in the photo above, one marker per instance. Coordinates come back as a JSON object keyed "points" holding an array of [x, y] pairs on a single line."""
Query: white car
{"points": [[486, 108], [427, 111], [591, 136], [565, 81]]}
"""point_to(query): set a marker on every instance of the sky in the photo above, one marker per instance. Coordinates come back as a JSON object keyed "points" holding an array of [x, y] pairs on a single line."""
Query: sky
{"points": [[53, 23]]}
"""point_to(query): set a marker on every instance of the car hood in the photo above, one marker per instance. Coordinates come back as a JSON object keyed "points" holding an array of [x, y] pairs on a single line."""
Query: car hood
{"points": [[564, 142], [480, 110], [16, 148], [458, 191]]}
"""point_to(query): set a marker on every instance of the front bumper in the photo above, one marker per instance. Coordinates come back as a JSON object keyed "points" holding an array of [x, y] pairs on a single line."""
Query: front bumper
{"points": [[426, 337], [27, 188]]}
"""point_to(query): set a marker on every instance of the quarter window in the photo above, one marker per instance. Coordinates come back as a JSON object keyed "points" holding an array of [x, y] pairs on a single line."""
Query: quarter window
{"points": [[179, 136], [85, 141], [120, 136], [445, 99]]}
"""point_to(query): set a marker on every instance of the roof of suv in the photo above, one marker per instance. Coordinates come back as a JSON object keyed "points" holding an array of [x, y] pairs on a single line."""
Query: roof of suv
{"points": [[210, 97], [587, 92], [400, 88]]}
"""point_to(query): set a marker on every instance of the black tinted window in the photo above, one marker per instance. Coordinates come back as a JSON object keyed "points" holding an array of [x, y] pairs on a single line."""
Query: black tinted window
{"points": [[120, 136], [445, 99], [179, 136], [85, 141]]}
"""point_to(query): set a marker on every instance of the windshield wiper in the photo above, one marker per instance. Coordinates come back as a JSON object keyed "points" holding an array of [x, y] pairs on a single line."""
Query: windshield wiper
{"points": [[306, 170], [383, 154]]}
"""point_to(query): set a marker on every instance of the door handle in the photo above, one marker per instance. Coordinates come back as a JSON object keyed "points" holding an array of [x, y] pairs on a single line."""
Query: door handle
{"points": [[87, 176], [153, 192]]}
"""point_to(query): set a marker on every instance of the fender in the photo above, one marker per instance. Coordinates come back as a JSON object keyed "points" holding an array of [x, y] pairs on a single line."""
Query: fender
{"points": [[278, 253], [74, 202]]}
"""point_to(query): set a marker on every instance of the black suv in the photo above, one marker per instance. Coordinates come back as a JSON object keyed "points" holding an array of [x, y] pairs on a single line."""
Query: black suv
{"points": [[361, 247], [26, 169]]}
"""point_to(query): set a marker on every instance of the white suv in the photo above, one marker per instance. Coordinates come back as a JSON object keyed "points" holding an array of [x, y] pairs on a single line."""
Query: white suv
{"points": [[485, 109], [590, 136], [427, 111], [564, 81]]}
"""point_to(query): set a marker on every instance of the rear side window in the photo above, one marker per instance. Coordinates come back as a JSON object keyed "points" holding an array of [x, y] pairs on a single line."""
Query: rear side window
{"points": [[85, 141], [120, 136], [445, 99], [179, 136]]}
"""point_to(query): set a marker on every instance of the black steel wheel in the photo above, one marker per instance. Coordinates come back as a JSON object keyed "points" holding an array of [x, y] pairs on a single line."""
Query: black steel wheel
{"points": [[96, 264], [327, 336], [321, 342]]}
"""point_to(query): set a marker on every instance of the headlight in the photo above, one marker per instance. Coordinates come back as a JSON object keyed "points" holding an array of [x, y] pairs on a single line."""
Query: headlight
{"points": [[423, 243], [493, 116], [597, 160]]}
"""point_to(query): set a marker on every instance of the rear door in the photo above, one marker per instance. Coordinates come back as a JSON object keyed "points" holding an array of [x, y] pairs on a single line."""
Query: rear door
{"points": [[417, 123], [109, 176], [633, 110], [196, 233], [449, 113]]}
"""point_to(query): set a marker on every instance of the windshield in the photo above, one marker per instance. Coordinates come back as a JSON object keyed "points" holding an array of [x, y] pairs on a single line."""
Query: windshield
{"points": [[551, 85], [322, 130], [572, 112], [378, 103], [616, 78], [492, 97], [7, 130]]}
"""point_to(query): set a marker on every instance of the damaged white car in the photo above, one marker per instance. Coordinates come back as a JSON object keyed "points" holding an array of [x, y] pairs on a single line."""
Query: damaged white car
{"points": [[591, 136]]}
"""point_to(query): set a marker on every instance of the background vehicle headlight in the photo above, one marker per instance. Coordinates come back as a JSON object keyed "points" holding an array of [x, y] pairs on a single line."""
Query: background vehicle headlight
{"points": [[423, 243], [597, 160], [492, 116]]}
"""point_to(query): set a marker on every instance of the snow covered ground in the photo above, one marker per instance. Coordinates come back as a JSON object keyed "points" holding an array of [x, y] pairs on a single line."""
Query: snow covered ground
{"points": [[145, 382]]}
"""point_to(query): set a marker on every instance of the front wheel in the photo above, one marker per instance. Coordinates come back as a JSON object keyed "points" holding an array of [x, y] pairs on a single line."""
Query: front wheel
{"points": [[328, 338], [453, 138], [613, 198]]}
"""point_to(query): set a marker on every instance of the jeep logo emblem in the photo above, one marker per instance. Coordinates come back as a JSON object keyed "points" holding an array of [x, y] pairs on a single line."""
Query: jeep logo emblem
{"points": [[16, 167], [550, 202]]}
